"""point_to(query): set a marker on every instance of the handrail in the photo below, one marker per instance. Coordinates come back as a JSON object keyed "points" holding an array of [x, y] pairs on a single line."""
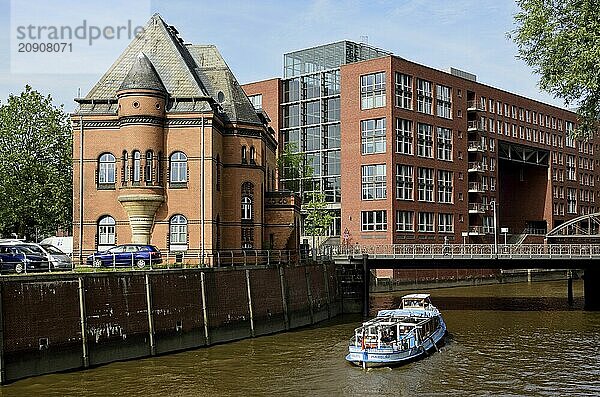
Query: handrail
{"points": [[477, 251]]}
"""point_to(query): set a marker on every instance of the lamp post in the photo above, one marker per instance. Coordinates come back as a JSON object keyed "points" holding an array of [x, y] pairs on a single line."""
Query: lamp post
{"points": [[493, 204]]}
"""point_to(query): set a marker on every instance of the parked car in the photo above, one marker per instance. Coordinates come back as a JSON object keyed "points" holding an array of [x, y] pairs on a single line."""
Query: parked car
{"points": [[20, 257], [126, 255], [58, 259]]}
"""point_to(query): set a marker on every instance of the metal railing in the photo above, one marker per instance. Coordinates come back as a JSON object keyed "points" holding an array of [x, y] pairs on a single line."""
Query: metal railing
{"points": [[475, 187], [475, 145], [476, 166], [469, 251], [474, 104], [93, 262], [478, 207]]}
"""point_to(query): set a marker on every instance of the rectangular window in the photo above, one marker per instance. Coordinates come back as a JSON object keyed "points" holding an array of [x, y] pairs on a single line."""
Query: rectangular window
{"points": [[373, 136], [373, 182], [571, 201], [405, 221], [424, 96], [404, 136], [312, 112], [569, 139], [446, 223], [291, 116], [404, 182], [372, 90], [444, 101], [571, 172], [424, 140], [425, 181], [445, 186], [488, 224], [332, 110], [444, 143], [404, 91], [426, 222], [373, 221]]}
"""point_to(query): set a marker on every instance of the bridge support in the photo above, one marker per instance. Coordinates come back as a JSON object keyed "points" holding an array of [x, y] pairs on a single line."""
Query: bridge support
{"points": [[366, 282], [591, 289]]}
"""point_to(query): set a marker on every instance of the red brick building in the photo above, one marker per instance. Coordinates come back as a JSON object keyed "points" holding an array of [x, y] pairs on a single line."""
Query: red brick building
{"points": [[168, 150], [410, 154]]}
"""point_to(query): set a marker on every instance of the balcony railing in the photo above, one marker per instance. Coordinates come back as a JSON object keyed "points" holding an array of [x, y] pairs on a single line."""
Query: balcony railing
{"points": [[475, 146], [477, 208], [475, 187], [476, 230], [475, 125], [474, 105], [476, 166]]}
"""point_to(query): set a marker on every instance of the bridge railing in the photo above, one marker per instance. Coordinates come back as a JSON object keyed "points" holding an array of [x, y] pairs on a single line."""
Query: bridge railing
{"points": [[473, 251]]}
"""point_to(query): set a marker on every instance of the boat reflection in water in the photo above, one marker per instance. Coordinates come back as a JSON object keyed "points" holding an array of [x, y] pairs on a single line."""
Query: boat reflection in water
{"points": [[398, 336]]}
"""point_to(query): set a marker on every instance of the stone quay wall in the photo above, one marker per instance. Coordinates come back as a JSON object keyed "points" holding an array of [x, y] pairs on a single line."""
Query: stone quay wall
{"points": [[60, 322]]}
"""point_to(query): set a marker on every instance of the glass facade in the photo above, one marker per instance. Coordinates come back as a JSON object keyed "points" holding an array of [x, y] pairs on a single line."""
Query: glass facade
{"points": [[311, 116]]}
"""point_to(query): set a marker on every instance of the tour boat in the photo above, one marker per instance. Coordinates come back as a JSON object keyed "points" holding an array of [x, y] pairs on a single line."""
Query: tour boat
{"points": [[398, 336]]}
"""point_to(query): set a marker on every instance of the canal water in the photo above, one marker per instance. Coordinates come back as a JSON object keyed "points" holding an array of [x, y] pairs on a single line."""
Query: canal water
{"points": [[512, 339]]}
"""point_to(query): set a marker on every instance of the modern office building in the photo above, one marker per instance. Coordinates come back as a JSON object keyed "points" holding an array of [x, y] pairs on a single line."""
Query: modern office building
{"points": [[168, 150], [411, 154]]}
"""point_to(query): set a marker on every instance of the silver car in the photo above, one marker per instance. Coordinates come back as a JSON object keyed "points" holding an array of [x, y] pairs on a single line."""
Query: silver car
{"points": [[58, 259]]}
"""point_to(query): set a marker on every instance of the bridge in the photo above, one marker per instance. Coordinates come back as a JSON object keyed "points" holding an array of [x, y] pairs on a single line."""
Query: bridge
{"points": [[476, 256]]}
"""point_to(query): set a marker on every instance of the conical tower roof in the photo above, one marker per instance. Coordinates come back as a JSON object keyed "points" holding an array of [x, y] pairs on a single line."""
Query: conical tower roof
{"points": [[142, 75]]}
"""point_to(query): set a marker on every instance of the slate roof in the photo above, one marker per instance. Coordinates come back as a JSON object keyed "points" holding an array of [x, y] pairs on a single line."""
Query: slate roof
{"points": [[142, 75], [185, 71]]}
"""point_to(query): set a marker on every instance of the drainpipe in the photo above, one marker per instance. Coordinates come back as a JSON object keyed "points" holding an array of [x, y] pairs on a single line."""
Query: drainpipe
{"points": [[80, 188], [202, 188]]}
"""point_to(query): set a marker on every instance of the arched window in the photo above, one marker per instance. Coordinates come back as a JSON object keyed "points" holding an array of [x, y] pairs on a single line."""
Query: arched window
{"points": [[252, 155], [137, 164], [106, 169], [178, 230], [106, 231], [178, 168], [159, 168], [149, 166], [247, 201], [125, 167], [244, 155], [246, 208]]}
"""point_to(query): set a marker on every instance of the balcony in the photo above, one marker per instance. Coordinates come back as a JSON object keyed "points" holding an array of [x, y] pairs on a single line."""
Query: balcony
{"points": [[476, 166], [477, 208], [473, 106], [476, 231], [475, 125], [475, 187], [476, 146]]}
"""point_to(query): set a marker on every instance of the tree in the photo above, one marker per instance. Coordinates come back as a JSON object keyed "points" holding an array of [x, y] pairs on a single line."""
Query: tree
{"points": [[293, 168], [35, 166], [560, 40], [297, 172], [318, 217]]}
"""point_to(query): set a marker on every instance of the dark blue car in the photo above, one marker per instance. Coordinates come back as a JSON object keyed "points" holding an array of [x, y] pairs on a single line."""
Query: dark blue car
{"points": [[19, 258], [126, 255]]}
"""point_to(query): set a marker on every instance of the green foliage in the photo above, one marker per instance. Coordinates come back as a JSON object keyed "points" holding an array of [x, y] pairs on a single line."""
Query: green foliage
{"points": [[292, 167], [35, 166], [318, 217], [560, 40]]}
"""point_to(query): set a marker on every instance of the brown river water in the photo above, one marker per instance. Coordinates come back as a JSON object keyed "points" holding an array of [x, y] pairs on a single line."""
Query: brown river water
{"points": [[509, 340]]}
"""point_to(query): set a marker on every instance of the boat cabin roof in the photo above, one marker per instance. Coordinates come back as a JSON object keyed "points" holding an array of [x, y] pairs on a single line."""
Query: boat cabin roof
{"points": [[416, 296]]}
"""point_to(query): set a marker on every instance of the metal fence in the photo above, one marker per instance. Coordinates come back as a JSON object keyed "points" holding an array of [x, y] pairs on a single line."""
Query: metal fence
{"points": [[168, 260], [468, 251]]}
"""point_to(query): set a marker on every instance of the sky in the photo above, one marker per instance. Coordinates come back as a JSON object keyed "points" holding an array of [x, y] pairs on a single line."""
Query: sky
{"points": [[252, 36]]}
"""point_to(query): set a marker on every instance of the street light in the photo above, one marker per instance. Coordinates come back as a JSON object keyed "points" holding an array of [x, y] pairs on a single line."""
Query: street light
{"points": [[493, 204]]}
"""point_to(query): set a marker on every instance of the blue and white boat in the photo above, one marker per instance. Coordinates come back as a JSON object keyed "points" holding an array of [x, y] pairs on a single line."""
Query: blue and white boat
{"points": [[398, 336]]}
